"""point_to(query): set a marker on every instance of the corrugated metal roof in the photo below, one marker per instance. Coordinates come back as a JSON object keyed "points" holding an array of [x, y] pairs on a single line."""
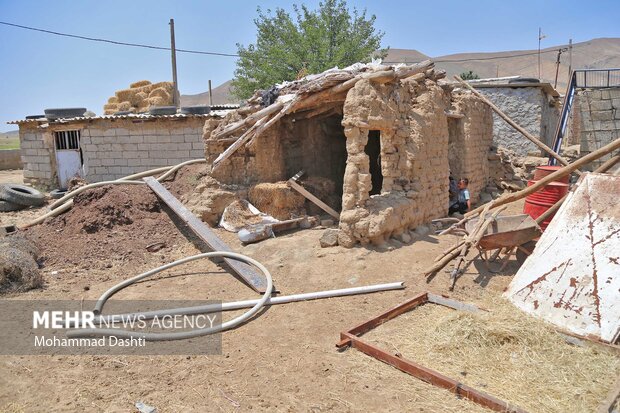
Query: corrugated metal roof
{"points": [[132, 116]]}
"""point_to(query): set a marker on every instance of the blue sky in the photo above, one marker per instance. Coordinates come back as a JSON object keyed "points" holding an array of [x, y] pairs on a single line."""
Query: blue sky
{"points": [[40, 71]]}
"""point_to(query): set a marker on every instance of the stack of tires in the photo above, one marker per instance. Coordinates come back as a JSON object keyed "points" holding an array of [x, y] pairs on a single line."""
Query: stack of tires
{"points": [[14, 197]]}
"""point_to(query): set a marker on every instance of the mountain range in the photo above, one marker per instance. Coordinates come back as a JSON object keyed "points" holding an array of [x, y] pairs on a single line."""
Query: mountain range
{"points": [[593, 54]]}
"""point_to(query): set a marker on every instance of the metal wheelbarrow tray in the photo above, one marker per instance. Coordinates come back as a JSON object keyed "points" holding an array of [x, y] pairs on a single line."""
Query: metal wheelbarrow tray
{"points": [[508, 232]]}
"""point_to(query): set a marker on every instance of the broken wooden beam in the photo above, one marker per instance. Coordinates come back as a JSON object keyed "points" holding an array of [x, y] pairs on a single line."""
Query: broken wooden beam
{"points": [[255, 280], [316, 201]]}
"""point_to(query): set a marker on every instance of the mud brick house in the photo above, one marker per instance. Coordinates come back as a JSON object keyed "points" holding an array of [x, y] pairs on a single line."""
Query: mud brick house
{"points": [[384, 137]]}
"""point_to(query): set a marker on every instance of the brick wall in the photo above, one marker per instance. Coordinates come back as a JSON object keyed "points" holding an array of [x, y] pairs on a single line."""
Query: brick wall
{"points": [[595, 121], [112, 149], [37, 156]]}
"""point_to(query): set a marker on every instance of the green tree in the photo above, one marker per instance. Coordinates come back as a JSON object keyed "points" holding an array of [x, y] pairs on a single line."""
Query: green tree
{"points": [[469, 75], [313, 41]]}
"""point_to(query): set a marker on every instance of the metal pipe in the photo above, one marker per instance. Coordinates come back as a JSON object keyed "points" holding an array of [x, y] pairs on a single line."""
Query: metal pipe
{"points": [[238, 305]]}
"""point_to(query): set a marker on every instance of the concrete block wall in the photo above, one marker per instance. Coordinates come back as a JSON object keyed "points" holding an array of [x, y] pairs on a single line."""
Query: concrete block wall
{"points": [[595, 120], [111, 148], [37, 156], [114, 149], [10, 159], [529, 107]]}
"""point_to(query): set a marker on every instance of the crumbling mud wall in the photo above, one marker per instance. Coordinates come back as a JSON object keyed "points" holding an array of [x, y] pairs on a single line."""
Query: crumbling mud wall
{"points": [[258, 161], [470, 138], [383, 150], [413, 132]]}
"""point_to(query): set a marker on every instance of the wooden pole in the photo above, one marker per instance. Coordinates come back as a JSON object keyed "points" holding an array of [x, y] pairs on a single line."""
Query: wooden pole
{"points": [[525, 133], [549, 178], [173, 50]]}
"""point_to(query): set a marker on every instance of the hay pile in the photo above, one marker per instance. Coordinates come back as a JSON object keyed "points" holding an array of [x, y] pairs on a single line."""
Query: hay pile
{"points": [[504, 353], [278, 200], [19, 270], [140, 96]]}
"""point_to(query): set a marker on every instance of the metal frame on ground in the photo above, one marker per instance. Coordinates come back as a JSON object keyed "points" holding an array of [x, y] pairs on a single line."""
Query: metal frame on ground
{"points": [[352, 338]]}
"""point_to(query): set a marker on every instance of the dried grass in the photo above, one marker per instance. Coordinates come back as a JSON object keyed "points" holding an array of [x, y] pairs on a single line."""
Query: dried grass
{"points": [[113, 100], [124, 95], [123, 106], [156, 101], [139, 83], [159, 92], [277, 200], [238, 215], [113, 107], [141, 96], [505, 353]]}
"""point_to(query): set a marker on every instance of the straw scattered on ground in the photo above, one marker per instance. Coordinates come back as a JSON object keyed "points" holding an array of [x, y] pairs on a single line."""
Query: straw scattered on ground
{"points": [[505, 353]]}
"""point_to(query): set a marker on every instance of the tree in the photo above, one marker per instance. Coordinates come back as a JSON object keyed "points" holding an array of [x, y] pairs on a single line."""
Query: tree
{"points": [[316, 40], [469, 75]]}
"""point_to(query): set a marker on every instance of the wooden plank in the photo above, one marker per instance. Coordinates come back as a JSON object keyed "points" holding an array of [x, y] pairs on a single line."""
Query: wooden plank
{"points": [[316, 201], [202, 230]]}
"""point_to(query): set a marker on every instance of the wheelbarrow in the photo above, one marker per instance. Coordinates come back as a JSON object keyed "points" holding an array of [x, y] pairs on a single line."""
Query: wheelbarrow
{"points": [[510, 235]]}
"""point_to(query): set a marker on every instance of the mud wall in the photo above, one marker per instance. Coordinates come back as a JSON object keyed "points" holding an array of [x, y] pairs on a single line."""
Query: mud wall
{"points": [[470, 140], [410, 117]]}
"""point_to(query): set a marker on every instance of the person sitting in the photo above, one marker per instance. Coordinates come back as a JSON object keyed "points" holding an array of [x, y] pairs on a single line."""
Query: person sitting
{"points": [[464, 199]]}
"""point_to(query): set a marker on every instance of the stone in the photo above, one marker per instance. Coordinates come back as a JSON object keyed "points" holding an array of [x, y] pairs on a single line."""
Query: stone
{"points": [[329, 238], [422, 230], [405, 238], [485, 197], [327, 222]]}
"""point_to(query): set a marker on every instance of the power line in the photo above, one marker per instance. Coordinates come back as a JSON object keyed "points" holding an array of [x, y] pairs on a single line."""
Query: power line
{"points": [[485, 58], [94, 39]]}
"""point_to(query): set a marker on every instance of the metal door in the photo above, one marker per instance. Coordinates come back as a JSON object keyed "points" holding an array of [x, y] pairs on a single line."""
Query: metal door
{"points": [[68, 156]]}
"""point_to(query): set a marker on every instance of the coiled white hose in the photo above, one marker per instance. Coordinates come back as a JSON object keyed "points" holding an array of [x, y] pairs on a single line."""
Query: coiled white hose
{"points": [[100, 332]]}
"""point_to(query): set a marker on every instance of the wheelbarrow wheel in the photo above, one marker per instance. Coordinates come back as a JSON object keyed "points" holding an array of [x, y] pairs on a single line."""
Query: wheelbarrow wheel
{"points": [[524, 250]]}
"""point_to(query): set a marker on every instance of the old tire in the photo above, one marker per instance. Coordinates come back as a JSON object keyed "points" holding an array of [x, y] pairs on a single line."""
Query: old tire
{"points": [[195, 110], [58, 193], [64, 113], [21, 195], [162, 110], [9, 206]]}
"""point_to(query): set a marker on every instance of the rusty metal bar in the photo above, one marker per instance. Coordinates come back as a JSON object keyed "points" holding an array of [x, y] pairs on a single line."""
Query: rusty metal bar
{"points": [[247, 273], [351, 338], [377, 321]]}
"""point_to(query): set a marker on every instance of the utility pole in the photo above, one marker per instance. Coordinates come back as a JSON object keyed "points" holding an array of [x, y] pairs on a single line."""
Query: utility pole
{"points": [[540, 37], [173, 50], [557, 67], [210, 94], [570, 56]]}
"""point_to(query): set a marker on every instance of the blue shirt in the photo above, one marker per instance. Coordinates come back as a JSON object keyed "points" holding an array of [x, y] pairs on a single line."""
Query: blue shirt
{"points": [[464, 195]]}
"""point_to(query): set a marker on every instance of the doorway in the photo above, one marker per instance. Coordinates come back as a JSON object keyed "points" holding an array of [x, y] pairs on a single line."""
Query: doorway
{"points": [[68, 156], [373, 150]]}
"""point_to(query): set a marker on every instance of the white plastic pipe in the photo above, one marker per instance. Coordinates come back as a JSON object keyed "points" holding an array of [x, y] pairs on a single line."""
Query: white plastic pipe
{"points": [[238, 305]]}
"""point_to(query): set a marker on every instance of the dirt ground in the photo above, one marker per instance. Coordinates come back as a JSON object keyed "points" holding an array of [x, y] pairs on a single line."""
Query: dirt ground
{"points": [[283, 360]]}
